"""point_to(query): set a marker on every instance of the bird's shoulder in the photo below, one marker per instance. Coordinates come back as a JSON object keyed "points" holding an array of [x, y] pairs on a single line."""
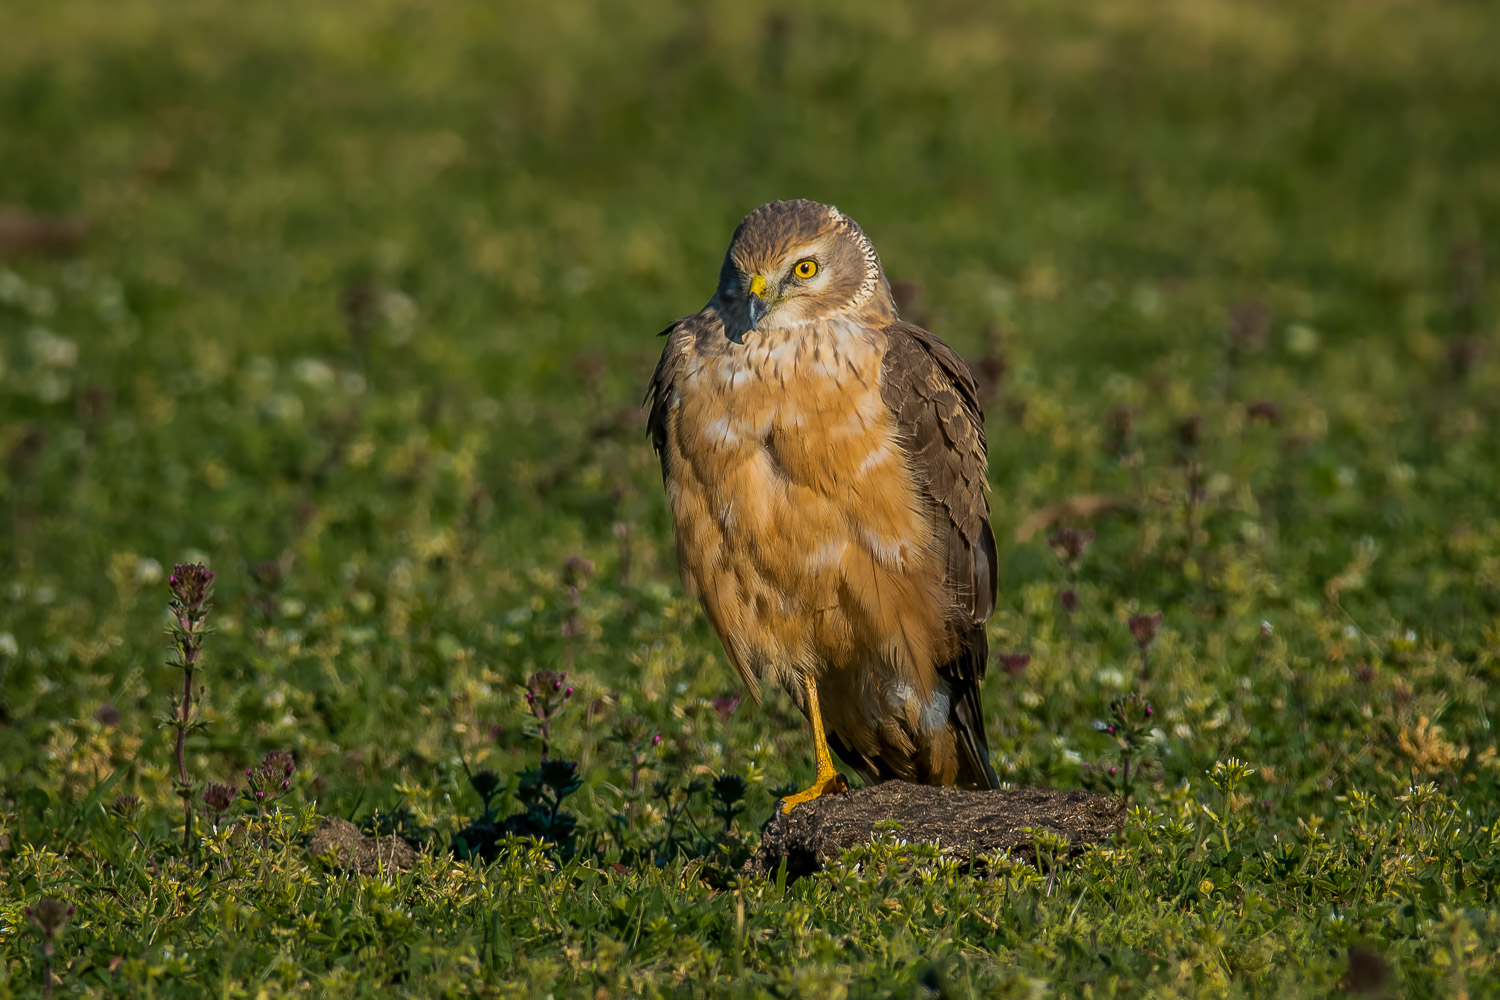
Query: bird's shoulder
{"points": [[921, 374], [682, 337]]}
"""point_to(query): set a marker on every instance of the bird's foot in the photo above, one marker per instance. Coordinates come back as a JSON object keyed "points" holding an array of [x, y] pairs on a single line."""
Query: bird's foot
{"points": [[831, 784]]}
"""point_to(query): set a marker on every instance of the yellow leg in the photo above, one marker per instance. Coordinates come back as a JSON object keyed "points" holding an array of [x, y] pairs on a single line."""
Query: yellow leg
{"points": [[828, 780]]}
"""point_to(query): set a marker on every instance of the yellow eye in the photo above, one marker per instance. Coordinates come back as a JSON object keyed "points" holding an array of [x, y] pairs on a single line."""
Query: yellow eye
{"points": [[805, 268]]}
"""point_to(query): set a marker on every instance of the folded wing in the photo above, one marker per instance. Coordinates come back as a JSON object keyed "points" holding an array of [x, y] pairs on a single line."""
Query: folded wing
{"points": [[932, 394]]}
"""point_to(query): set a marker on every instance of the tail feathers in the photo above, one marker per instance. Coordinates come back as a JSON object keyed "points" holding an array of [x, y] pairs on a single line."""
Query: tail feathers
{"points": [[871, 770], [967, 720], [974, 770], [964, 673]]}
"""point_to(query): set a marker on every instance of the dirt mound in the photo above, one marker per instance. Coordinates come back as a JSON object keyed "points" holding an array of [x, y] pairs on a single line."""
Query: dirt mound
{"points": [[965, 822], [349, 848]]}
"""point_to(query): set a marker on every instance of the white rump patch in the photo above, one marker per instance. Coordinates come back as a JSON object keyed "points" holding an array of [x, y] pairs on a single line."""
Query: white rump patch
{"points": [[900, 696], [935, 712], [931, 717]]}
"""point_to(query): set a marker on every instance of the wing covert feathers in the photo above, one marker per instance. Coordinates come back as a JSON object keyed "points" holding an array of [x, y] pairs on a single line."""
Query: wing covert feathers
{"points": [[932, 394]]}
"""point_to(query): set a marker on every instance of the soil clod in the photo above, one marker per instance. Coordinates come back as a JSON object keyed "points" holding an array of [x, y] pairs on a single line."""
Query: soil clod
{"points": [[969, 822], [349, 848]]}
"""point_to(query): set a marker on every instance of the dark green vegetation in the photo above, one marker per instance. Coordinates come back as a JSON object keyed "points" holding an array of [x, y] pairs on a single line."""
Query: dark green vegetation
{"points": [[362, 318]]}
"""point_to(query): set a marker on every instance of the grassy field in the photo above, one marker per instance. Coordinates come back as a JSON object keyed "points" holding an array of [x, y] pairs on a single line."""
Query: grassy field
{"points": [[355, 303]]}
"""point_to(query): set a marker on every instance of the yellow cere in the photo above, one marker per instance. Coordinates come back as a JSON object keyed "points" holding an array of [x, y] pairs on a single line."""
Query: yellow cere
{"points": [[758, 285], [806, 268]]}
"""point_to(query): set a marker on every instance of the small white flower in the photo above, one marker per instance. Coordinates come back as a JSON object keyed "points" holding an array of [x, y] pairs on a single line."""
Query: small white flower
{"points": [[313, 372], [148, 571], [284, 407], [52, 351], [8, 645]]}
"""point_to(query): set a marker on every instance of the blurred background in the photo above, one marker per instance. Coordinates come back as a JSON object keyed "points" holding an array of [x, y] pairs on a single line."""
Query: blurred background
{"points": [[486, 210], [358, 301]]}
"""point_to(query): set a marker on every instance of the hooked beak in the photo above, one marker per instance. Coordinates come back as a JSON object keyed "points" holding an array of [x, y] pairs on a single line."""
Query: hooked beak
{"points": [[757, 303]]}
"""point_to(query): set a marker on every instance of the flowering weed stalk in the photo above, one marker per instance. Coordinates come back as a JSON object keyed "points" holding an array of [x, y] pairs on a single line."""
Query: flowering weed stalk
{"points": [[1143, 629], [192, 588], [269, 781], [51, 916], [637, 746], [1130, 725], [1070, 545], [1227, 776], [1189, 437], [545, 697], [578, 572]]}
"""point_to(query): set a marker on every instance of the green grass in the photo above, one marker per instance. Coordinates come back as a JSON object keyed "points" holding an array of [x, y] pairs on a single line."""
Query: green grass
{"points": [[368, 294]]}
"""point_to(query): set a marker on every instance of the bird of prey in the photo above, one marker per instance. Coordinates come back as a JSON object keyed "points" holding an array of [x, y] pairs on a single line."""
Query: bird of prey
{"points": [[825, 464]]}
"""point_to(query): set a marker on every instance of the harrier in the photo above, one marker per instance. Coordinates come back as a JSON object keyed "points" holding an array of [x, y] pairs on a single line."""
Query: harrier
{"points": [[826, 468]]}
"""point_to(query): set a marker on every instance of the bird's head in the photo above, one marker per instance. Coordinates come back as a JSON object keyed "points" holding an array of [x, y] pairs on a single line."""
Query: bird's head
{"points": [[794, 262]]}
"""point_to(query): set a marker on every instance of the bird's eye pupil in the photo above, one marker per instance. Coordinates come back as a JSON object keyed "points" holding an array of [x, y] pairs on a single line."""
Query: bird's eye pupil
{"points": [[806, 268]]}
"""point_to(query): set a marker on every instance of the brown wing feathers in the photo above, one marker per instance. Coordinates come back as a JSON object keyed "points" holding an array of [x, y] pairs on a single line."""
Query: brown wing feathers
{"points": [[659, 395], [932, 392]]}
